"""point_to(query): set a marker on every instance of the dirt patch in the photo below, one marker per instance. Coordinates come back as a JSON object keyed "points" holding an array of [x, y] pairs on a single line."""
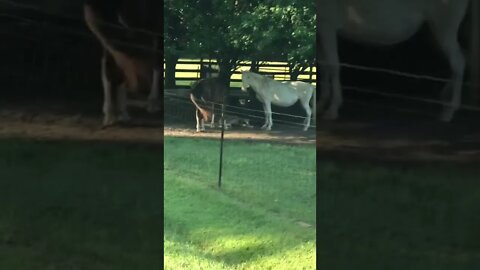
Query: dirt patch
{"points": [[280, 135], [52, 121], [46, 123], [400, 140]]}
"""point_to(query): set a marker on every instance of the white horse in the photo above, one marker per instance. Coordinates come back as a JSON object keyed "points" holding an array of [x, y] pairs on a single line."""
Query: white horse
{"points": [[284, 94], [386, 22]]}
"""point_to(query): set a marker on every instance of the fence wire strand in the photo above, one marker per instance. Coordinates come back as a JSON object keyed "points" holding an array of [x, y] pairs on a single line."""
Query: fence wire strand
{"points": [[185, 100], [78, 19], [157, 34]]}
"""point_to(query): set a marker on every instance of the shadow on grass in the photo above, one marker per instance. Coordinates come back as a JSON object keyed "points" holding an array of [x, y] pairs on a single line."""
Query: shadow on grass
{"points": [[77, 203], [232, 248], [399, 197], [400, 142]]}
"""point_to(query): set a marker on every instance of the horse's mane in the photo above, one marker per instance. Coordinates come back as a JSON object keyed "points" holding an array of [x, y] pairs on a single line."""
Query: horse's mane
{"points": [[262, 78]]}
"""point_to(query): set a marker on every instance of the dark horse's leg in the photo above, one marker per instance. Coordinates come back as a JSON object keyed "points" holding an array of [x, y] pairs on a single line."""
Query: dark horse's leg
{"points": [[212, 124], [330, 65], [200, 121], [445, 31]]}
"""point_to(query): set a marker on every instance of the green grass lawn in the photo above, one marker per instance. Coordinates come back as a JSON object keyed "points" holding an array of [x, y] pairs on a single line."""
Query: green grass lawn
{"points": [[256, 221], [378, 216], [71, 205], [87, 205]]}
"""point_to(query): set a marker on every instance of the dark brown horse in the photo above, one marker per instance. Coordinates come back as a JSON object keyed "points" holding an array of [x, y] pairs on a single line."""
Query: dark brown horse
{"points": [[126, 30], [212, 93]]}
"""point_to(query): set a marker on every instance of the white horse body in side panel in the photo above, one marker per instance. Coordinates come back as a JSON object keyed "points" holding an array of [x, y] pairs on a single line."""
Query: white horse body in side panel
{"points": [[387, 22], [284, 94]]}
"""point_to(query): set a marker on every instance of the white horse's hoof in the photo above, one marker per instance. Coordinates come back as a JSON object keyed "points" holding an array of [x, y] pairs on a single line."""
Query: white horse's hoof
{"points": [[108, 121]]}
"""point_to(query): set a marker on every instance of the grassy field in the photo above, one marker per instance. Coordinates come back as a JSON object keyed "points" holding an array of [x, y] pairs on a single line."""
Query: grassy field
{"points": [[378, 216], [262, 218], [86, 205], [72, 205]]}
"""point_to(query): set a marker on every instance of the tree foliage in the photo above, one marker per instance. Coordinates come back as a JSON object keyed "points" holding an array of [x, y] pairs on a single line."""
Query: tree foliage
{"points": [[234, 30]]}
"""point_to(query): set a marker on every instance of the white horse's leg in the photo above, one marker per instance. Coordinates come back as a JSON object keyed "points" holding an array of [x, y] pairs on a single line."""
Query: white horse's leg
{"points": [[197, 117], [152, 106], [202, 124], [308, 111], [447, 38], [108, 110], [269, 115], [266, 115], [212, 123], [122, 103], [329, 41]]}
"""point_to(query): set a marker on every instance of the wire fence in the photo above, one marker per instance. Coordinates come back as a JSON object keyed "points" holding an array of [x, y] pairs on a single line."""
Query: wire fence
{"points": [[41, 64], [403, 75], [47, 69], [243, 167], [246, 112], [75, 25], [62, 30]]}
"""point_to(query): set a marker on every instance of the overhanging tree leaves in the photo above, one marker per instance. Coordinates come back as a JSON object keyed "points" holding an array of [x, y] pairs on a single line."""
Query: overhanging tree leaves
{"points": [[283, 31], [236, 30]]}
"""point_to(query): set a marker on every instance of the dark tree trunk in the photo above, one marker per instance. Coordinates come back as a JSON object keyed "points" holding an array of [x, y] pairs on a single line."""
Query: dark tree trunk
{"points": [[170, 63], [295, 71], [227, 66], [294, 74], [254, 66]]}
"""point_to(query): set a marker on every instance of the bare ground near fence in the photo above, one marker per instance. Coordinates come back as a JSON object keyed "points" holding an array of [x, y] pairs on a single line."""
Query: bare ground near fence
{"points": [[82, 121], [363, 133], [389, 135], [282, 134], [55, 121]]}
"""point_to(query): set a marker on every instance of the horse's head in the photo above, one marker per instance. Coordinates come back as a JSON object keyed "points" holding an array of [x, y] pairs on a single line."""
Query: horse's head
{"points": [[245, 79]]}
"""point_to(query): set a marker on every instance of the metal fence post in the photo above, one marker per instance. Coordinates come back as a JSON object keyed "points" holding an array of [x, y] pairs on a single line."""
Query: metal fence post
{"points": [[220, 169]]}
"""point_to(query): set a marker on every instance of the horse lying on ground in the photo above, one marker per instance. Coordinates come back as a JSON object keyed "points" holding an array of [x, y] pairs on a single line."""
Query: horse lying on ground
{"points": [[284, 94], [387, 22], [124, 67], [210, 90]]}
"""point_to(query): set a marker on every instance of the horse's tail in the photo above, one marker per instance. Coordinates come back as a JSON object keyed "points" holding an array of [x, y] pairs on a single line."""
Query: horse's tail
{"points": [[205, 113], [93, 21]]}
